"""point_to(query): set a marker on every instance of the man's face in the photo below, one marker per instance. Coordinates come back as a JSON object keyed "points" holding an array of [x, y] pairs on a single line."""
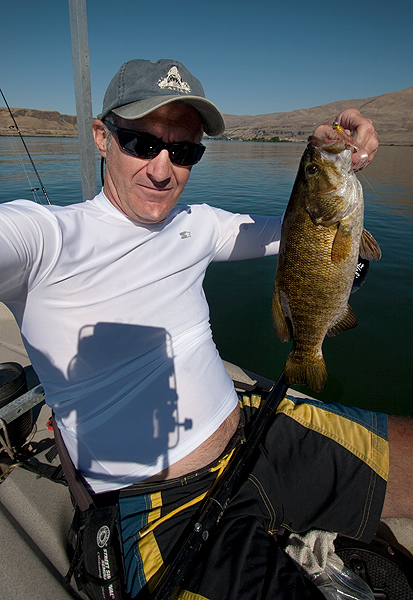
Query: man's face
{"points": [[146, 190]]}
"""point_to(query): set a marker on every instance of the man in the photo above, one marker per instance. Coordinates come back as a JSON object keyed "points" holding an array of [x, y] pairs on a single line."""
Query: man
{"points": [[108, 295]]}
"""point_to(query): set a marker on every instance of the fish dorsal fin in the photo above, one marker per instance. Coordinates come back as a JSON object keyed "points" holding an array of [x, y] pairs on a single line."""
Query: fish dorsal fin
{"points": [[347, 321], [369, 248]]}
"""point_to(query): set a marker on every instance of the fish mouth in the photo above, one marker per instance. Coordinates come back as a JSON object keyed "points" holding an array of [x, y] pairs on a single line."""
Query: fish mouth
{"points": [[336, 145], [327, 144], [331, 151]]}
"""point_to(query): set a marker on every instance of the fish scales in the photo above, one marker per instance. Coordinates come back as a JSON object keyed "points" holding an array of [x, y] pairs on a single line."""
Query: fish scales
{"points": [[322, 237]]}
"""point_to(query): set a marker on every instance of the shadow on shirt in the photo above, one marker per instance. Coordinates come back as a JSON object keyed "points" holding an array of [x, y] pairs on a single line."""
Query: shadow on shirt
{"points": [[120, 395]]}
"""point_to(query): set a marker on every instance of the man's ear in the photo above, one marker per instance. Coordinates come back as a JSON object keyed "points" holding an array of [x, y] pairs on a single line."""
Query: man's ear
{"points": [[99, 134]]}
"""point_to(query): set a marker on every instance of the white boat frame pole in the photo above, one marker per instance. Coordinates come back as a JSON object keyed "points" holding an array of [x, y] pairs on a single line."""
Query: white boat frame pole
{"points": [[83, 95]]}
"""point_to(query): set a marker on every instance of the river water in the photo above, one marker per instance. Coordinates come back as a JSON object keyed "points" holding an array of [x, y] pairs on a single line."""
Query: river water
{"points": [[369, 366]]}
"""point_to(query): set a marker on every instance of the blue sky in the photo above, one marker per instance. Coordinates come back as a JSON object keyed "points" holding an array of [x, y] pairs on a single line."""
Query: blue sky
{"points": [[252, 57]]}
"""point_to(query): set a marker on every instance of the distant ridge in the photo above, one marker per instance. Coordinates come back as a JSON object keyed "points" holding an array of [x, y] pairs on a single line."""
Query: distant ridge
{"points": [[37, 122], [392, 115]]}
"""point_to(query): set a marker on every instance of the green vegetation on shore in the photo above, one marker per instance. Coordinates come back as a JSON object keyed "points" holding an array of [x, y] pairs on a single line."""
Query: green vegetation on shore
{"points": [[273, 140]]}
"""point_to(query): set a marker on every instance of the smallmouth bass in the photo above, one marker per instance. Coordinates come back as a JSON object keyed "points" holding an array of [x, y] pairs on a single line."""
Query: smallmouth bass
{"points": [[322, 237]]}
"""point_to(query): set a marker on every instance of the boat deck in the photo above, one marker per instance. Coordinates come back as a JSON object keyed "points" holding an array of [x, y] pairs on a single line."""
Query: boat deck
{"points": [[35, 515]]}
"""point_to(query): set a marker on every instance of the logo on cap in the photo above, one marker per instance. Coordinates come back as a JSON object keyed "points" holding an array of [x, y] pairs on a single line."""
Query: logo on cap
{"points": [[173, 81]]}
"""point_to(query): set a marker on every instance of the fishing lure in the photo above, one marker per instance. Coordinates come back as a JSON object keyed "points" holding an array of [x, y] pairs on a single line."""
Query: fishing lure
{"points": [[363, 155]]}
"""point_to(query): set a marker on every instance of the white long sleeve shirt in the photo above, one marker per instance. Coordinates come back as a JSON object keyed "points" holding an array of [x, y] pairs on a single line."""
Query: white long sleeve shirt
{"points": [[115, 321]]}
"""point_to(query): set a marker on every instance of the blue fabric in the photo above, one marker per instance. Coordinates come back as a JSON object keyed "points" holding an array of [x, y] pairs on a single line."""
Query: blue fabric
{"points": [[133, 513]]}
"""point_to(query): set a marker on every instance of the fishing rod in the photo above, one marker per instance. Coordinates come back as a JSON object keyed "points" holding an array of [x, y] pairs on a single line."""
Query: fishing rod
{"points": [[219, 497], [26, 148]]}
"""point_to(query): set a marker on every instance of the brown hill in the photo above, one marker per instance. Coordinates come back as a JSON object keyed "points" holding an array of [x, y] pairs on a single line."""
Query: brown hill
{"points": [[37, 122], [392, 115]]}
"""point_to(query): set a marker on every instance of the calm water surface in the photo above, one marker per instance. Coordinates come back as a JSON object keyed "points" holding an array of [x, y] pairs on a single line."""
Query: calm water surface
{"points": [[369, 366]]}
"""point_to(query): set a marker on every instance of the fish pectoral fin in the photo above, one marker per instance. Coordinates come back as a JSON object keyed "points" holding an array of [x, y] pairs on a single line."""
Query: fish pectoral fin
{"points": [[341, 247], [369, 248], [282, 324], [347, 321]]}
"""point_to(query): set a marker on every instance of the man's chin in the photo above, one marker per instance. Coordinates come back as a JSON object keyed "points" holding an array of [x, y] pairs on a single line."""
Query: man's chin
{"points": [[153, 217]]}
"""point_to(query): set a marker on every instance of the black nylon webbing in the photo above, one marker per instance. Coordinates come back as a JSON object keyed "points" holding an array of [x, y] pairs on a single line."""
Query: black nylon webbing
{"points": [[81, 495]]}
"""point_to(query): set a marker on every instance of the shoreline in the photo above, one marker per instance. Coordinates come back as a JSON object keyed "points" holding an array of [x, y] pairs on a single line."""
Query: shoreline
{"points": [[207, 139]]}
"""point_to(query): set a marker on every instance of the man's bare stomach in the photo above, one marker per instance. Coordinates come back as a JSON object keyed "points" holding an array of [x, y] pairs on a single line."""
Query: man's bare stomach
{"points": [[205, 453]]}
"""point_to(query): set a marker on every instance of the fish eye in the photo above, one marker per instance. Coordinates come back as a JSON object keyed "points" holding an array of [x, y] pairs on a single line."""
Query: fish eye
{"points": [[312, 169]]}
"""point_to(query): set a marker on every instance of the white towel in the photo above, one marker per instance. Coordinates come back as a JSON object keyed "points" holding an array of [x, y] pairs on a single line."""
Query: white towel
{"points": [[312, 550]]}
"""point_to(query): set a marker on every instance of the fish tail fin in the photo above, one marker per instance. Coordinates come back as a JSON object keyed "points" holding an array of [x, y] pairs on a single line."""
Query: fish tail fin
{"points": [[304, 371]]}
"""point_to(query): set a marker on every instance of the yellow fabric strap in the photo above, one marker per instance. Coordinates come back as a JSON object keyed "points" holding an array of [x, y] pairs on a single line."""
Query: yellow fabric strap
{"points": [[254, 401], [154, 517], [151, 557], [185, 595], [355, 437]]}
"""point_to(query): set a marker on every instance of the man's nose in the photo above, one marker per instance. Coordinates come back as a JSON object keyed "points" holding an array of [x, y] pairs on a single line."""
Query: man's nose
{"points": [[159, 168]]}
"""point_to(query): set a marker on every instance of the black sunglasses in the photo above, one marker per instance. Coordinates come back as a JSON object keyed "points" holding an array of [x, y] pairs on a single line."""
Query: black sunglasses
{"points": [[144, 145]]}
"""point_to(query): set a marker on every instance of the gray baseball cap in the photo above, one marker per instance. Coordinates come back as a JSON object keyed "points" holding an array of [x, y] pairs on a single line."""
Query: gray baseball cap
{"points": [[140, 86]]}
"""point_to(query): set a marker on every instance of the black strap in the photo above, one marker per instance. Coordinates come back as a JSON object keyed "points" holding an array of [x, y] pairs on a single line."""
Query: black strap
{"points": [[43, 470], [218, 498], [77, 487], [97, 562]]}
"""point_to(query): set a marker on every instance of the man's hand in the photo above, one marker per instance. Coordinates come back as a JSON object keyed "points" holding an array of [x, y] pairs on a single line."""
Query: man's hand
{"points": [[353, 122]]}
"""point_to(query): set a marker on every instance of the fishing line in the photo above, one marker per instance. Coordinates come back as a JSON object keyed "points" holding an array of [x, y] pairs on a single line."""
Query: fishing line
{"points": [[381, 200], [27, 150], [23, 165], [341, 133]]}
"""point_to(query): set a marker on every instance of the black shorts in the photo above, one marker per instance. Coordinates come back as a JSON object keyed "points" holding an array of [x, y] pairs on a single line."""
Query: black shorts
{"points": [[320, 466]]}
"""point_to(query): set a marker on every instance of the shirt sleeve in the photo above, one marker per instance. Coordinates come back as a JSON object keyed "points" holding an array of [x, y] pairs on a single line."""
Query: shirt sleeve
{"points": [[246, 236], [22, 225]]}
